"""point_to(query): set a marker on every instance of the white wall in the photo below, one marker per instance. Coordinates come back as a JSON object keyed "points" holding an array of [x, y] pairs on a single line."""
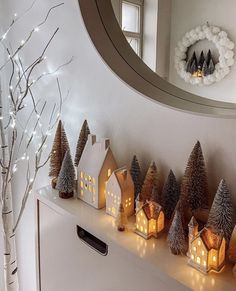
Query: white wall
{"points": [[187, 14], [134, 123]]}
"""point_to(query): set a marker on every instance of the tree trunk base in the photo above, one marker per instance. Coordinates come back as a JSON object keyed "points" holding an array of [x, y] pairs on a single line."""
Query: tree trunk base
{"points": [[64, 195], [54, 183]]}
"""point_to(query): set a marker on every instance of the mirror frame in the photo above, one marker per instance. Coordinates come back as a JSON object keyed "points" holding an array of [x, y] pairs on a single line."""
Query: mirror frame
{"points": [[108, 39]]}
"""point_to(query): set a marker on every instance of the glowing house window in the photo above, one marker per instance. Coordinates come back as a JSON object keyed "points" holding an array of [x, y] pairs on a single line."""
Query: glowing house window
{"points": [[214, 258], [199, 242], [81, 184], [141, 228], [109, 173], [113, 210], [203, 253], [204, 263], [90, 179], [198, 260], [194, 249], [81, 175], [192, 257]]}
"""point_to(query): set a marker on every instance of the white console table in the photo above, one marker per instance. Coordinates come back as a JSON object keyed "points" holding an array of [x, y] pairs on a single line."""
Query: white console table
{"points": [[116, 261]]}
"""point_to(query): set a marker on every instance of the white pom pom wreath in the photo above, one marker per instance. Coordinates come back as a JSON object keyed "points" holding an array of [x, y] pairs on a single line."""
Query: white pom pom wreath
{"points": [[222, 43]]}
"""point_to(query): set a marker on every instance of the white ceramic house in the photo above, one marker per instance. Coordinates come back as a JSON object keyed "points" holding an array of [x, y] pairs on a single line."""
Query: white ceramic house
{"points": [[95, 167], [120, 189]]}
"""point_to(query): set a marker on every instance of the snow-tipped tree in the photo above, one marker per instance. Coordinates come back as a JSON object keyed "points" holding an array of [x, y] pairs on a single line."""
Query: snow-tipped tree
{"points": [[121, 219], [176, 236], [83, 137], [135, 172], [232, 247], [150, 181], [194, 187], [170, 195], [221, 216], [59, 148], [65, 181]]}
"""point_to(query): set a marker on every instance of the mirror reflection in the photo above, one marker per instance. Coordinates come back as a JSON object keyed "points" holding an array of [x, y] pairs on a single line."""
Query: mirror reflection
{"points": [[188, 43]]}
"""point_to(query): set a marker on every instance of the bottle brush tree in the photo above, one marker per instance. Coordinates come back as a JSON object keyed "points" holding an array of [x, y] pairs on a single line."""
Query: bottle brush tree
{"points": [[151, 180], [59, 148], [194, 186], [135, 172], [170, 195], [83, 137], [121, 219], [221, 216], [65, 181], [176, 236]]}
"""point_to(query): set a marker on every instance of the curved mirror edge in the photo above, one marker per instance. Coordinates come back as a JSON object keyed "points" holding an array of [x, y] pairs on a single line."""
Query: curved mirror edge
{"points": [[108, 39]]}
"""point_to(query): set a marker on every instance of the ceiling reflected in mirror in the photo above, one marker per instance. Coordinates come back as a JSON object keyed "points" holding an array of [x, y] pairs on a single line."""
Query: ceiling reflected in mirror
{"points": [[188, 43]]}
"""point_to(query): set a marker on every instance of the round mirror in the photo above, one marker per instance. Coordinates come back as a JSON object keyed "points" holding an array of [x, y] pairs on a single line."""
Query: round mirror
{"points": [[177, 52]]}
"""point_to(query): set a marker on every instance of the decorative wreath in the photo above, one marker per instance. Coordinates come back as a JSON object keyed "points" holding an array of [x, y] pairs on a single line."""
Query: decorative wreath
{"points": [[224, 45]]}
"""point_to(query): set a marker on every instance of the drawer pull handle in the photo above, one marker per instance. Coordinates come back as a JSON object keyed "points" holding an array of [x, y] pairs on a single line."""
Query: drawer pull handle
{"points": [[94, 242]]}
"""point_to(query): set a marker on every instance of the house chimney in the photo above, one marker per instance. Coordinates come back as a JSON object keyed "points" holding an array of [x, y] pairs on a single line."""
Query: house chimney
{"points": [[105, 143], [91, 139], [125, 173]]}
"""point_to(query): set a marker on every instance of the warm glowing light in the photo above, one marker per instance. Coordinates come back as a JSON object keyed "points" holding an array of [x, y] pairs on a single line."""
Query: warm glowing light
{"points": [[192, 257], [214, 258], [109, 173], [141, 214], [203, 253], [141, 228], [90, 179], [126, 205], [137, 226], [129, 203], [81, 184], [138, 219], [111, 194], [129, 199], [145, 230], [198, 260], [126, 201], [204, 263], [199, 242], [81, 175], [194, 248], [144, 222], [113, 210]]}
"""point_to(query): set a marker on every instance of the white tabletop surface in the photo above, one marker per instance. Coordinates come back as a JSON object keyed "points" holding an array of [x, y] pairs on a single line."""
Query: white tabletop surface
{"points": [[154, 252]]}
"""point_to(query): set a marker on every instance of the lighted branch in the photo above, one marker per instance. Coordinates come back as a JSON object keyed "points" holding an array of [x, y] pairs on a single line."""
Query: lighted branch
{"points": [[24, 135]]}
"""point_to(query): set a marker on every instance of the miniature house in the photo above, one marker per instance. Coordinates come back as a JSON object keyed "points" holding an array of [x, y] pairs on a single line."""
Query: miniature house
{"points": [[149, 220], [95, 167], [120, 189], [206, 248]]}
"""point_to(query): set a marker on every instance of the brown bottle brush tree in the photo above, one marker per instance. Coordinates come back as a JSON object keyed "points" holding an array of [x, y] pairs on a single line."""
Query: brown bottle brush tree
{"points": [[59, 148]]}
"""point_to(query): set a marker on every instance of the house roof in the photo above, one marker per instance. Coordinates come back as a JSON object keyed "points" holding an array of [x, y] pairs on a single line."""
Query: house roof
{"points": [[122, 175], [94, 155], [211, 239], [193, 222], [151, 209]]}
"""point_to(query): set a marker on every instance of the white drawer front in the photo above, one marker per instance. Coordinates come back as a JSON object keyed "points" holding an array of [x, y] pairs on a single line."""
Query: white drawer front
{"points": [[68, 264]]}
